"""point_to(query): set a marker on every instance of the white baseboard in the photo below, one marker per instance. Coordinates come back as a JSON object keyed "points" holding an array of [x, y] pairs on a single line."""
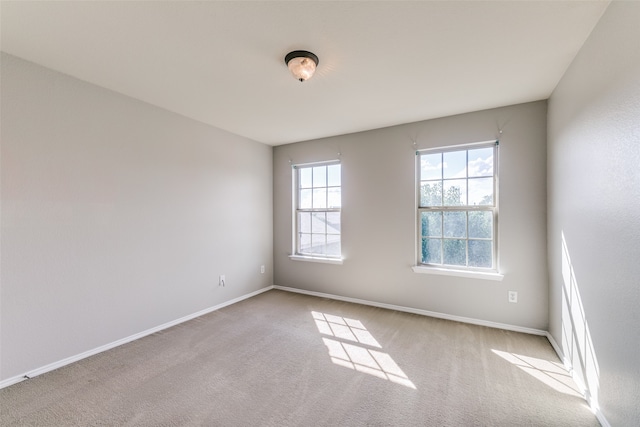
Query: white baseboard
{"points": [[419, 311], [601, 419], [72, 359], [557, 348], [569, 366]]}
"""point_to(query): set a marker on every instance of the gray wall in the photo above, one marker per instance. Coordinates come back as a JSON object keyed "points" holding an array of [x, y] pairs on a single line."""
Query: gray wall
{"points": [[594, 201], [117, 216], [379, 218]]}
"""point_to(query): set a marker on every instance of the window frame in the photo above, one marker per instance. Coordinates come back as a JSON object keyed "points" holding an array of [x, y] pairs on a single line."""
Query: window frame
{"points": [[492, 272], [296, 253]]}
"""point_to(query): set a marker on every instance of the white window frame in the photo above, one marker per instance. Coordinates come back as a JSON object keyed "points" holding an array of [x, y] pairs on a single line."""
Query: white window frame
{"points": [[491, 273], [297, 254]]}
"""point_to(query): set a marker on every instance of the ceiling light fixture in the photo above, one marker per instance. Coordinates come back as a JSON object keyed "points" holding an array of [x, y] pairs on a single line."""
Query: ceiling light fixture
{"points": [[301, 63]]}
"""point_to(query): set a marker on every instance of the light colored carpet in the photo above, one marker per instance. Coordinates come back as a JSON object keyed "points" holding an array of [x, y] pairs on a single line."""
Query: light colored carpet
{"points": [[284, 359]]}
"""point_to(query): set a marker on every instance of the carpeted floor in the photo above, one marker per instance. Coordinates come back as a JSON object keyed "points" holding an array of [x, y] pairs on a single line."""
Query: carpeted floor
{"points": [[284, 359]]}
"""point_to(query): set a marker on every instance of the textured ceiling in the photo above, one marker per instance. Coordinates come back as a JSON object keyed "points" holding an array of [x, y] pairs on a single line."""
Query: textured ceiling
{"points": [[382, 63]]}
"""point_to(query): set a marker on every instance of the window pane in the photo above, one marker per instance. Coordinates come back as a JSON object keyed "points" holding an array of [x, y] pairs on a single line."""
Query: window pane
{"points": [[480, 253], [481, 225], [333, 222], [318, 232], [305, 199], [431, 224], [481, 162], [455, 224], [334, 197], [318, 222], [432, 251], [318, 243], [333, 245], [320, 176], [319, 198], [305, 177], [481, 191], [431, 193], [333, 175], [454, 164], [430, 166], [304, 222], [454, 252], [305, 243], [455, 192], [456, 198]]}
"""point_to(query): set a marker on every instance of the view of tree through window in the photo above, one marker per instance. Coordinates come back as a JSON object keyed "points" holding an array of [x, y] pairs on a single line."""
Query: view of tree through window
{"points": [[318, 203], [457, 207]]}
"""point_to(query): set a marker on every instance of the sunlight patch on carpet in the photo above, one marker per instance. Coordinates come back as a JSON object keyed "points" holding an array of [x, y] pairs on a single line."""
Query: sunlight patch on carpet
{"points": [[353, 347], [550, 373]]}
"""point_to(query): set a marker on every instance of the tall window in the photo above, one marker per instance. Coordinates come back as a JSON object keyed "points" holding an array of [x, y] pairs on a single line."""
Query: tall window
{"points": [[317, 210], [457, 207]]}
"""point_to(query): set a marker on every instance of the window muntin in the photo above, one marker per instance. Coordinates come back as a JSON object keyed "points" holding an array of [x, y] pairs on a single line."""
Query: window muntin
{"points": [[457, 207], [317, 210]]}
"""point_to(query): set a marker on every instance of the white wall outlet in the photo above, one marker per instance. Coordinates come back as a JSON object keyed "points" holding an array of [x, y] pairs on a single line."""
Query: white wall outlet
{"points": [[262, 269], [513, 296], [221, 281]]}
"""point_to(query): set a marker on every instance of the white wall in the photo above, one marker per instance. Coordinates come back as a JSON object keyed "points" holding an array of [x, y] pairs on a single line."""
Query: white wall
{"points": [[379, 218], [594, 202], [117, 216]]}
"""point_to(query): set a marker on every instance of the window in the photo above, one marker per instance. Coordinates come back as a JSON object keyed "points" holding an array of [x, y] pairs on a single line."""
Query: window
{"points": [[457, 207], [317, 202]]}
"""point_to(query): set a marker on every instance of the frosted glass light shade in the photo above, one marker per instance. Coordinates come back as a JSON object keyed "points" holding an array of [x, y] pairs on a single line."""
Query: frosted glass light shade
{"points": [[302, 64]]}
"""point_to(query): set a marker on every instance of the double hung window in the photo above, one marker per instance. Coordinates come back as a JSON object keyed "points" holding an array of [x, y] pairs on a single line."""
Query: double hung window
{"points": [[458, 207], [317, 203]]}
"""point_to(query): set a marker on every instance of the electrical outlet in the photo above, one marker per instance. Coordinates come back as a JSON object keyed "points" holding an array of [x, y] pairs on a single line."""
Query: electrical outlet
{"points": [[513, 296], [262, 269], [221, 281]]}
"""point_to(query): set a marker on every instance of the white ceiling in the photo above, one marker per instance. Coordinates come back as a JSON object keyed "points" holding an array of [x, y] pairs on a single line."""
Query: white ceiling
{"points": [[382, 63]]}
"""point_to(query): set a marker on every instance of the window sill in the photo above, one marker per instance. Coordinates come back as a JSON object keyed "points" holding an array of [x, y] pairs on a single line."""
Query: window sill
{"points": [[458, 273], [322, 260]]}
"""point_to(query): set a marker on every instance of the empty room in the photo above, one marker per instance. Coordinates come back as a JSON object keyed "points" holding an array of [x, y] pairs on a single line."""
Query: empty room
{"points": [[320, 213]]}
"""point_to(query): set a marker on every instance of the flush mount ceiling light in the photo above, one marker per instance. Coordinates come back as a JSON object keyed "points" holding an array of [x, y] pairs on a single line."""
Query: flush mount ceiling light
{"points": [[301, 63]]}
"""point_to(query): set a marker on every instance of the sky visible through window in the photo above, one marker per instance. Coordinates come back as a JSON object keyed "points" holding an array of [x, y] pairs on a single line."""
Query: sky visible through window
{"points": [[461, 182]]}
